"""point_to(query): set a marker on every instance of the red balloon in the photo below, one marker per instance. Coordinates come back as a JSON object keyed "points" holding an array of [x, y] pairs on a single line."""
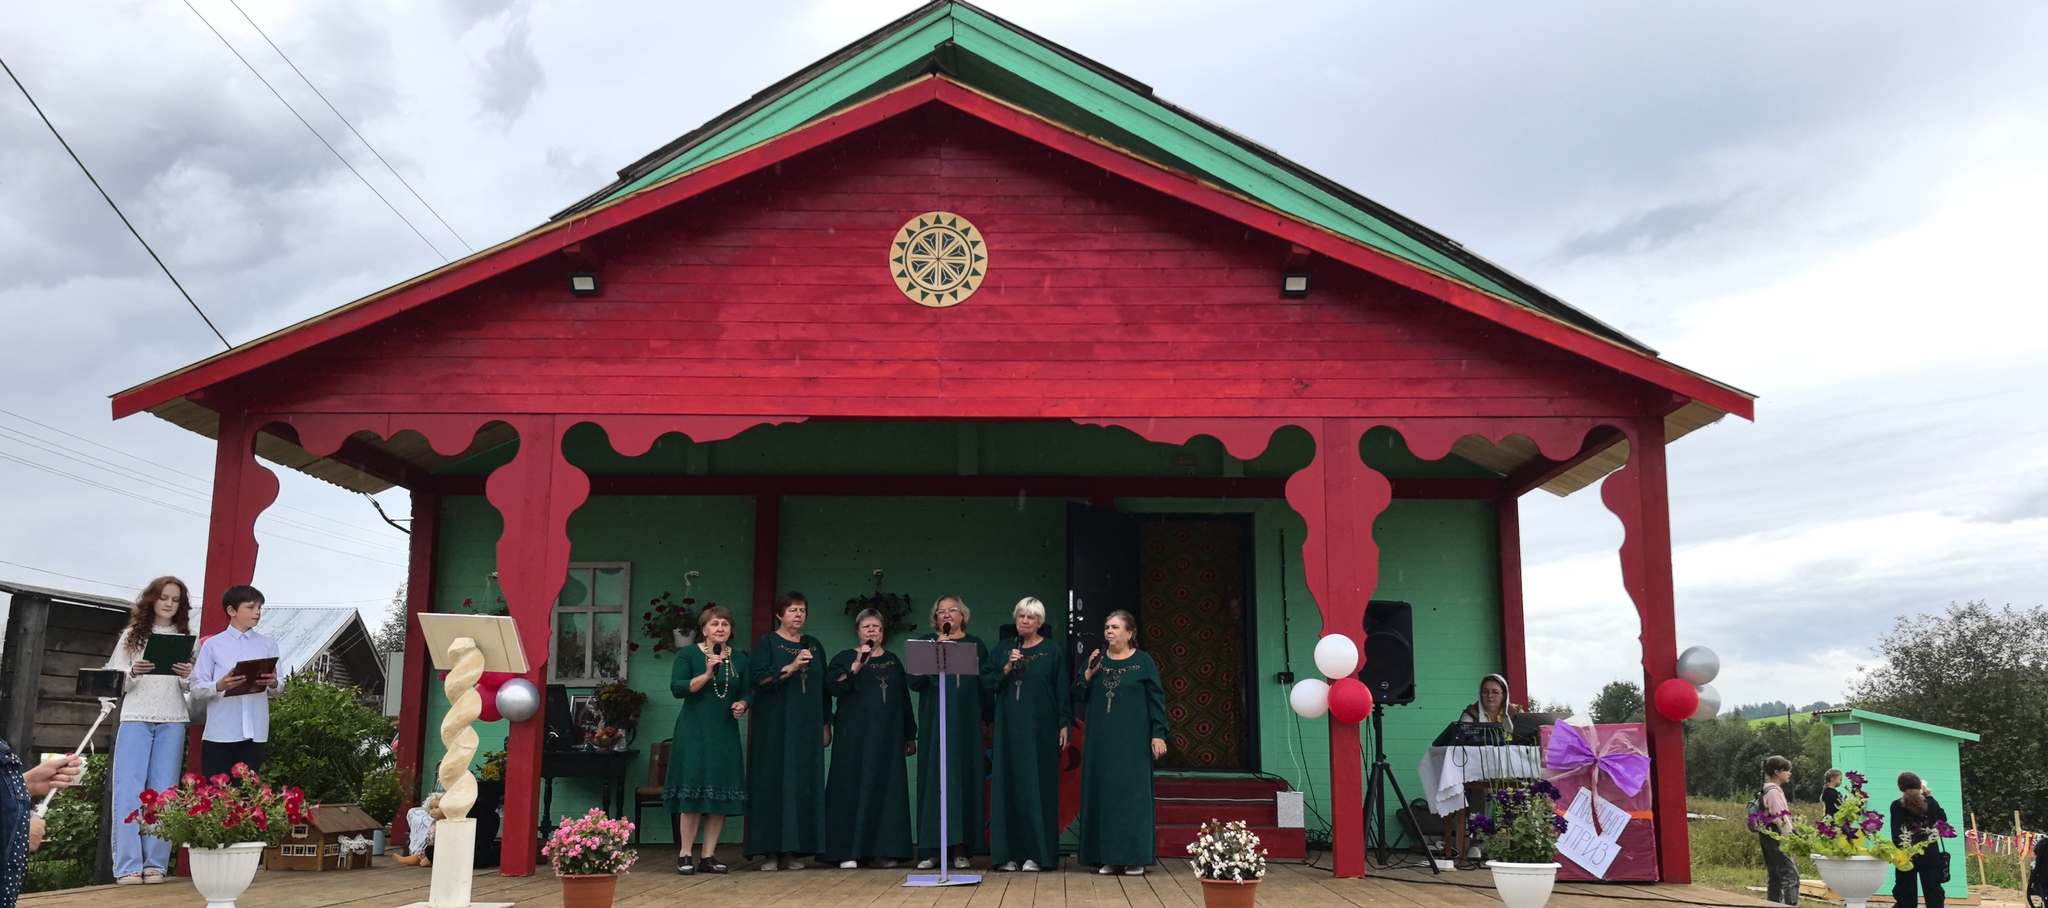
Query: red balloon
{"points": [[1677, 700], [1350, 700]]}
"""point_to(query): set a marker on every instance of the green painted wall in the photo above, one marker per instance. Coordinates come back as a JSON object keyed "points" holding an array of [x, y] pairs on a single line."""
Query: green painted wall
{"points": [[1438, 555], [1881, 752]]}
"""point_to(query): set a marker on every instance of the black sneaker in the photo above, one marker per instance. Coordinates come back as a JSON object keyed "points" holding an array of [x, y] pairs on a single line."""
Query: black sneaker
{"points": [[711, 865], [685, 866]]}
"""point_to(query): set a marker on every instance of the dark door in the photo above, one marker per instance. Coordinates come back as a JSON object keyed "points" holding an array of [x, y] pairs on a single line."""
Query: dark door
{"points": [[1102, 575], [1196, 622]]}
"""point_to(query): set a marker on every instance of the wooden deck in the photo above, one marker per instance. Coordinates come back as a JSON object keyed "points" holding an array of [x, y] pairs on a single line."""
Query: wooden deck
{"points": [[387, 885]]}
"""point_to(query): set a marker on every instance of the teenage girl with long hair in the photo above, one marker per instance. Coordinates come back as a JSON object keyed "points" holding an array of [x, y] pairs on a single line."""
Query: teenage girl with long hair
{"points": [[149, 750]]}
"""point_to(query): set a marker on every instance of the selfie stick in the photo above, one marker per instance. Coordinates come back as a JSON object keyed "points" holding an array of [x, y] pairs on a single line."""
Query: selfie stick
{"points": [[106, 707]]}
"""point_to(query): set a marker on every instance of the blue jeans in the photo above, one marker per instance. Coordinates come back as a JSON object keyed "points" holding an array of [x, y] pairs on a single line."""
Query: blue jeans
{"points": [[146, 755]]}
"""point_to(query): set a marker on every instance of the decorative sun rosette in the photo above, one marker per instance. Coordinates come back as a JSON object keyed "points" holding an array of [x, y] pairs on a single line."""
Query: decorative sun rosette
{"points": [[938, 259]]}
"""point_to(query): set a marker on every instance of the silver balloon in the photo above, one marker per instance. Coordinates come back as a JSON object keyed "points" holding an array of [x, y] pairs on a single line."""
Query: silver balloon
{"points": [[518, 699], [1710, 704], [1698, 665]]}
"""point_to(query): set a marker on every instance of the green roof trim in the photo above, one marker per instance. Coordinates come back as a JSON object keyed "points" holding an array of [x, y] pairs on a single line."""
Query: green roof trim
{"points": [[1838, 716], [993, 56]]}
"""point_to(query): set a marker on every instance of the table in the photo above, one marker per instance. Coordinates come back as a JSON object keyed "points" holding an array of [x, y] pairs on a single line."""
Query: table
{"points": [[607, 765], [1447, 773]]}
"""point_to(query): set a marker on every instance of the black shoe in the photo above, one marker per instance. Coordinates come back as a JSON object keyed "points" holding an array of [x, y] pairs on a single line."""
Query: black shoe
{"points": [[685, 866], [711, 865]]}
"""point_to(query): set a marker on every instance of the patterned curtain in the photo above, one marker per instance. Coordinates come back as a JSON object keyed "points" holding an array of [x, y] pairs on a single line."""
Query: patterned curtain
{"points": [[1191, 581]]}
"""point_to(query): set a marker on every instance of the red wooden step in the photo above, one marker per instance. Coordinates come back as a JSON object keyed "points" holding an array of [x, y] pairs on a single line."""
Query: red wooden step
{"points": [[1247, 788], [1280, 844], [1189, 810]]}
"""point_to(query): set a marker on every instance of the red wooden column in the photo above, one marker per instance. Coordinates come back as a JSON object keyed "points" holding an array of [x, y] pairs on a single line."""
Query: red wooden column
{"points": [[1339, 497], [242, 488], [535, 494], [1638, 494], [1514, 651], [421, 577]]}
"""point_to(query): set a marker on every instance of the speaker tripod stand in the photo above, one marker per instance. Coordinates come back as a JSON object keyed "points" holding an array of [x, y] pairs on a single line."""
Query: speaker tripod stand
{"points": [[1378, 779]]}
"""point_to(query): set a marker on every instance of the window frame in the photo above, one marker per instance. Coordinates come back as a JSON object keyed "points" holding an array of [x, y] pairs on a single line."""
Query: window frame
{"points": [[624, 609]]}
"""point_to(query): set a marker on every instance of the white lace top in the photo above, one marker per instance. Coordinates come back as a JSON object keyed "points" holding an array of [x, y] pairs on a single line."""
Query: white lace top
{"points": [[151, 698]]}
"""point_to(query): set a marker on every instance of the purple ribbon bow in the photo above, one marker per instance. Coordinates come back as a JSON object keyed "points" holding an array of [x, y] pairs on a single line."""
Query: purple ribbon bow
{"points": [[1570, 753]]}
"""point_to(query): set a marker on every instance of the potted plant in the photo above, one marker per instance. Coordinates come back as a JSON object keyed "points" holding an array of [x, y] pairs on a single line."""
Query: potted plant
{"points": [[226, 822], [1520, 841], [1849, 848], [382, 795], [588, 854], [670, 623], [1229, 862]]}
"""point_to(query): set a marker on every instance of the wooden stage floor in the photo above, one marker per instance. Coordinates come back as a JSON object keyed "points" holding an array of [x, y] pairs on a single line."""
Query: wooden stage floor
{"points": [[1170, 885]]}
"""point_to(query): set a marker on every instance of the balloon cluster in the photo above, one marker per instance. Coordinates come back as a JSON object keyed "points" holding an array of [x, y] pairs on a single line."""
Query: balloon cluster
{"points": [[1345, 698], [506, 696], [1689, 696]]}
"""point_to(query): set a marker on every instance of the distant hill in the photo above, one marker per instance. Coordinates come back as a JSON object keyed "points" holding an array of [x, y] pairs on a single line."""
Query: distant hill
{"points": [[1779, 709]]}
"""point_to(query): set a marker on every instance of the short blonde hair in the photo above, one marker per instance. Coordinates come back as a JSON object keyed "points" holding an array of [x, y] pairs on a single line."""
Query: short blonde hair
{"points": [[1029, 606], [957, 601]]}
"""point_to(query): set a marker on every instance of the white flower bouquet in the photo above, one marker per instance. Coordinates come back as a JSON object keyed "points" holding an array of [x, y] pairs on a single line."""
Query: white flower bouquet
{"points": [[1227, 851]]}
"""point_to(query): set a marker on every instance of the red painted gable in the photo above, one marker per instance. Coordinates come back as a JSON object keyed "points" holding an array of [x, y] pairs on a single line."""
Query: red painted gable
{"points": [[772, 294]]}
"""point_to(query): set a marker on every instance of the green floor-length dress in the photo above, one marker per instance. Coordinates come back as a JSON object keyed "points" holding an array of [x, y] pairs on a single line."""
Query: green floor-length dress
{"points": [[1032, 705], [867, 793], [1125, 709], [786, 749], [966, 755], [706, 770]]}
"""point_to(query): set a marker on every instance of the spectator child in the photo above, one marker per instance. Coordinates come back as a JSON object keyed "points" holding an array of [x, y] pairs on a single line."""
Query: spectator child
{"points": [[1781, 875]]}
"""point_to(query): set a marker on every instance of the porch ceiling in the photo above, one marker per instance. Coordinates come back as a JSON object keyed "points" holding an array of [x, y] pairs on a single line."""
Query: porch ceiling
{"points": [[371, 464]]}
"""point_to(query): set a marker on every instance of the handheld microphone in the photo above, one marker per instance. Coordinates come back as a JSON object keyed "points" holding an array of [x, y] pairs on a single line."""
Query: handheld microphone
{"points": [[717, 648], [945, 628]]}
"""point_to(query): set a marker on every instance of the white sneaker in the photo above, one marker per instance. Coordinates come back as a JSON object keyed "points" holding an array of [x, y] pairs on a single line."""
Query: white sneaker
{"points": [[768, 863], [1031, 867], [849, 865], [886, 863], [960, 863], [792, 863], [927, 864], [1008, 866], [1107, 869], [1135, 870]]}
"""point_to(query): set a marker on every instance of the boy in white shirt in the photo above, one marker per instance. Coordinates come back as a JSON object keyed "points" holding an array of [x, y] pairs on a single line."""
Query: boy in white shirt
{"points": [[238, 727]]}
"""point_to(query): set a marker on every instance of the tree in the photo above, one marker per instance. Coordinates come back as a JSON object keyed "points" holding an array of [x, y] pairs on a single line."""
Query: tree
{"points": [[1619, 702], [390, 634], [324, 740], [1981, 670], [1557, 708]]}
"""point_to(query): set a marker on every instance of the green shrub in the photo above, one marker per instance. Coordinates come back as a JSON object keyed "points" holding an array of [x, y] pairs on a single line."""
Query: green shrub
{"points": [[382, 794], [324, 741], [71, 832], [51, 875]]}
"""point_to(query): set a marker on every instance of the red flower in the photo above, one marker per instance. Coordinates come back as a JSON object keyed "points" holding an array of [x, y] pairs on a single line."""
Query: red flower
{"points": [[661, 608], [147, 798], [192, 778], [262, 820], [241, 771], [199, 808], [133, 815], [220, 781], [635, 647]]}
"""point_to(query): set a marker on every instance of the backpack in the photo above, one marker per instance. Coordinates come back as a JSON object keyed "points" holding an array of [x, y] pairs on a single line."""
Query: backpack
{"points": [[1754, 807]]}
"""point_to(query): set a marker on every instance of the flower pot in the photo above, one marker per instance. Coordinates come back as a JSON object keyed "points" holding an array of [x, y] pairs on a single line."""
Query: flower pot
{"points": [[221, 874], [1523, 885], [1229, 893], [593, 890], [1855, 879], [683, 639]]}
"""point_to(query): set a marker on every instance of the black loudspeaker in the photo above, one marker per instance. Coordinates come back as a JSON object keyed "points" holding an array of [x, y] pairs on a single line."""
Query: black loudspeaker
{"points": [[1389, 652]]}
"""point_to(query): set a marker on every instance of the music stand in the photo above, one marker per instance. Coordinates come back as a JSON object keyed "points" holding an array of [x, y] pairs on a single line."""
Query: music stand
{"points": [[464, 646], [941, 658]]}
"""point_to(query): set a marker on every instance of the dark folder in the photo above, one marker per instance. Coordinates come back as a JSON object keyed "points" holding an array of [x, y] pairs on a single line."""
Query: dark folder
{"points": [[252, 671], [166, 650]]}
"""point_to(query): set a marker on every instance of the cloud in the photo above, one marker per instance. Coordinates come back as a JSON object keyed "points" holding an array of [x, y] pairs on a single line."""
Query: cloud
{"points": [[511, 75]]}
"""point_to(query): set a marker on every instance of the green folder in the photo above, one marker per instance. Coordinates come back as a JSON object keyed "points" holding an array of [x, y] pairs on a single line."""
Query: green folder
{"points": [[166, 650]]}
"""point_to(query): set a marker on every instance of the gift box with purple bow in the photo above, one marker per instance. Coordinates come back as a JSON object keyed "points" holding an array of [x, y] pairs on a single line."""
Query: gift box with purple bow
{"points": [[1612, 834]]}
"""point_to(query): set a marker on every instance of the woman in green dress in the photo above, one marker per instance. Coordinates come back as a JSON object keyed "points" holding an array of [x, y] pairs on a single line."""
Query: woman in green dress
{"points": [[966, 763], [791, 728], [1116, 763], [867, 794], [1028, 675], [707, 777]]}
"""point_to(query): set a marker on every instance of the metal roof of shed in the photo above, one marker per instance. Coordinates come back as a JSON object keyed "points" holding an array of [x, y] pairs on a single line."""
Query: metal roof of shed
{"points": [[1849, 714], [303, 632]]}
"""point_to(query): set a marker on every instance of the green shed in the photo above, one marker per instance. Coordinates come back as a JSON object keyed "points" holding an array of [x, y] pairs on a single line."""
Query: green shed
{"points": [[1881, 747]]}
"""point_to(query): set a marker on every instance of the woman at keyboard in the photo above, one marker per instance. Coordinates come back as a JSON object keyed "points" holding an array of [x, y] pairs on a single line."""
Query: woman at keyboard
{"points": [[1492, 709]]}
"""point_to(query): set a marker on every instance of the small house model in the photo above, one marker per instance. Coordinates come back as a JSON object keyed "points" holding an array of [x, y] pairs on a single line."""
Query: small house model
{"points": [[334, 837]]}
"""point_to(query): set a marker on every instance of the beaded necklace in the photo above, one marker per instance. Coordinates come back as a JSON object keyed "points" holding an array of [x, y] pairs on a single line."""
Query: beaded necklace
{"points": [[1112, 679], [721, 680]]}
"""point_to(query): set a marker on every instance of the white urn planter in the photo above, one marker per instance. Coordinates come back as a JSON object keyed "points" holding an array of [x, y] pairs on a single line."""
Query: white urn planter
{"points": [[222, 874], [1523, 885], [1855, 879]]}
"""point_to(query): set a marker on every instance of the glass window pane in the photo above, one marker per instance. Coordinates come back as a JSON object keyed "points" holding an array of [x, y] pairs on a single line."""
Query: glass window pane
{"points": [[609, 652], [576, 592], [572, 645], [611, 586]]}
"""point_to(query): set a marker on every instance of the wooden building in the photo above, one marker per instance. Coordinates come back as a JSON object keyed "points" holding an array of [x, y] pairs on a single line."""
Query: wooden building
{"points": [[956, 303], [327, 642], [51, 635], [328, 840]]}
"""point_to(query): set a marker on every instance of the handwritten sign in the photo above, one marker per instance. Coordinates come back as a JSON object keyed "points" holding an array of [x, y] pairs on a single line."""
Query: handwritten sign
{"points": [[1587, 848]]}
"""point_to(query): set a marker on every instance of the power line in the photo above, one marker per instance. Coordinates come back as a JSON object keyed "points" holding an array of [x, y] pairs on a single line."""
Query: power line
{"points": [[316, 133], [110, 203], [351, 126], [118, 586]]}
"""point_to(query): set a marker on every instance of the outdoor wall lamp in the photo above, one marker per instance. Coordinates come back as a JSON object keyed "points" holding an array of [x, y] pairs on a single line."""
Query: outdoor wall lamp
{"points": [[583, 283], [1294, 284]]}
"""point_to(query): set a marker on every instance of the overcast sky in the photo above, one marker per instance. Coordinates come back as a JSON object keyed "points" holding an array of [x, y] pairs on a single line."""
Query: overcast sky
{"points": [[1833, 205]]}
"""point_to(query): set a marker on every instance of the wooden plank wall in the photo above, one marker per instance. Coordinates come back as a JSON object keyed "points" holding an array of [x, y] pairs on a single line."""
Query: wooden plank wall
{"points": [[773, 295], [74, 637]]}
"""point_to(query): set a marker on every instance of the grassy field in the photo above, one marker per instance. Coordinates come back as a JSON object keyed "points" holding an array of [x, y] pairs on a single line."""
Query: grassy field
{"points": [[1725, 854]]}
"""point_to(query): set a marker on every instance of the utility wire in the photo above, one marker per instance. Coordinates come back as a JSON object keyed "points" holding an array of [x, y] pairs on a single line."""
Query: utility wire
{"points": [[110, 203], [316, 133], [351, 126], [118, 586]]}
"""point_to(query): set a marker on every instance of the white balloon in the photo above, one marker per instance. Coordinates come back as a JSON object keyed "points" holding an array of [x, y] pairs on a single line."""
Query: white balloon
{"points": [[1310, 698], [1710, 704], [1698, 665], [1336, 656]]}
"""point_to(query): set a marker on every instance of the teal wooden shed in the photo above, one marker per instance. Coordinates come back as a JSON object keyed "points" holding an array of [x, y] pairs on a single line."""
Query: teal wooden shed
{"points": [[1881, 747]]}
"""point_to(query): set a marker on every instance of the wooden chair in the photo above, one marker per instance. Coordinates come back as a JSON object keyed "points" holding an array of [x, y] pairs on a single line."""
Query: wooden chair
{"points": [[650, 794]]}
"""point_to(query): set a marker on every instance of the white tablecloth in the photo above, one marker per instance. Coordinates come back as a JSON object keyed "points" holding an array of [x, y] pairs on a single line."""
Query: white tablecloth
{"points": [[1445, 770]]}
